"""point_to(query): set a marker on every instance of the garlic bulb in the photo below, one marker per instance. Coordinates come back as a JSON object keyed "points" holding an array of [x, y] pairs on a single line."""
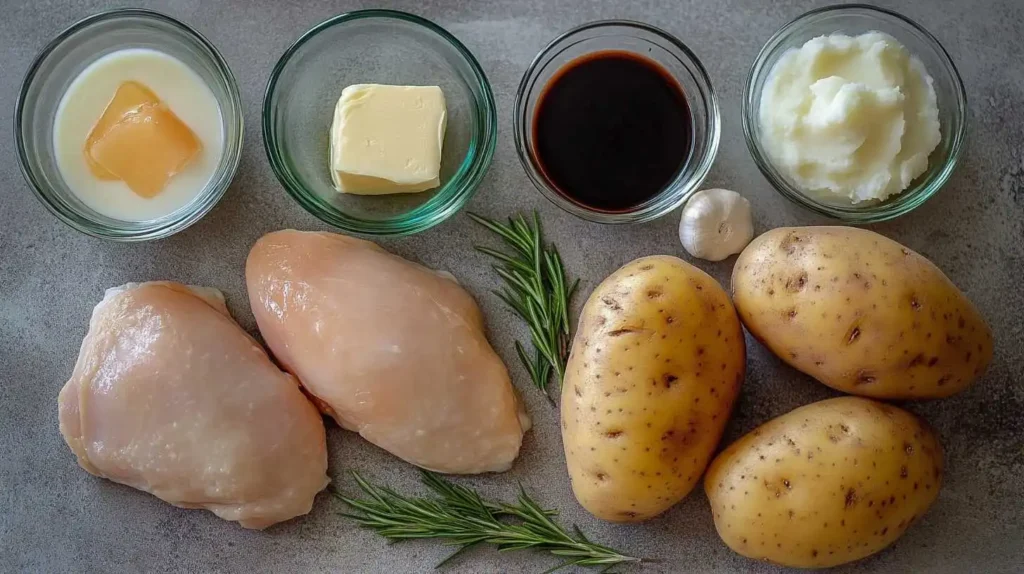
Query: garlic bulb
{"points": [[716, 223]]}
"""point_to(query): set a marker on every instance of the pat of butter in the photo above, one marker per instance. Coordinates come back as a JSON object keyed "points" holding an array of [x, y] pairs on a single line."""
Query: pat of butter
{"points": [[387, 139]]}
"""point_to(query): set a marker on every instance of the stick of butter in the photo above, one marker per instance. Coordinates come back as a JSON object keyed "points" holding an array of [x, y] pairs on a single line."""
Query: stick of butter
{"points": [[387, 139]]}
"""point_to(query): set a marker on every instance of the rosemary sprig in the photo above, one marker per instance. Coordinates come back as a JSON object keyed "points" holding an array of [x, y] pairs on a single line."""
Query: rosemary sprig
{"points": [[460, 517], [537, 290]]}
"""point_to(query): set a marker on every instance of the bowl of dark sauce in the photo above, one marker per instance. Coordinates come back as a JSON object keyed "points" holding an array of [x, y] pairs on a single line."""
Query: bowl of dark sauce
{"points": [[616, 122]]}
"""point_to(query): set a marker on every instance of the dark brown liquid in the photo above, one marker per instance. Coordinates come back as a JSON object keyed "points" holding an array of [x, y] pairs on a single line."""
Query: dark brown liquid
{"points": [[611, 130]]}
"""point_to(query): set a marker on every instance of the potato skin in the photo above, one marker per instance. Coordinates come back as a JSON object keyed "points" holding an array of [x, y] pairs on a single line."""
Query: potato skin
{"points": [[656, 364], [825, 484], [860, 313]]}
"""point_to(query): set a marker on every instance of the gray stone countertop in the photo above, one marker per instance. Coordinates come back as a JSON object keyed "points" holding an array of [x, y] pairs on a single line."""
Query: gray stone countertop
{"points": [[54, 517]]}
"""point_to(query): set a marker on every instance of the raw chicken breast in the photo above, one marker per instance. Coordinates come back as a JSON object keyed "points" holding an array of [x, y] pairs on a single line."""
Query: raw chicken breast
{"points": [[172, 397], [389, 348]]}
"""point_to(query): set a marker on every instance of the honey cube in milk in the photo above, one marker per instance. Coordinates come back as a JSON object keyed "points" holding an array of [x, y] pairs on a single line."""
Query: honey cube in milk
{"points": [[139, 141], [128, 96]]}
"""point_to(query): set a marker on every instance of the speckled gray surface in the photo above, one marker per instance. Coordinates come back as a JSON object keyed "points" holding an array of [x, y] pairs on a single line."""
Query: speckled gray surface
{"points": [[54, 517]]}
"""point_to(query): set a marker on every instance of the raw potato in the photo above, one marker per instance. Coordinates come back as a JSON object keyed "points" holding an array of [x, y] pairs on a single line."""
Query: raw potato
{"points": [[656, 365], [825, 484], [860, 313]]}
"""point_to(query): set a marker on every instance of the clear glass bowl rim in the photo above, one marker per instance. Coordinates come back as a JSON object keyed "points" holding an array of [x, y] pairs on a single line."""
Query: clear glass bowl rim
{"points": [[676, 192], [906, 201], [232, 153], [465, 181]]}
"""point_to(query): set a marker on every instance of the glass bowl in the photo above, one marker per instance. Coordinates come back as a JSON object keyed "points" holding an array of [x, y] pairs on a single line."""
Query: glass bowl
{"points": [[59, 64], [854, 19], [376, 47], [648, 43]]}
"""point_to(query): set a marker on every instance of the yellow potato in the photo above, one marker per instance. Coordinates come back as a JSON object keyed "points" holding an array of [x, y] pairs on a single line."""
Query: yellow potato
{"points": [[825, 484], [860, 313], [655, 367]]}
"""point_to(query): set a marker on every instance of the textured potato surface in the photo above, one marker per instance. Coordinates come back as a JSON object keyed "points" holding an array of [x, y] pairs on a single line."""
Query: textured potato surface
{"points": [[656, 365], [825, 484], [860, 313]]}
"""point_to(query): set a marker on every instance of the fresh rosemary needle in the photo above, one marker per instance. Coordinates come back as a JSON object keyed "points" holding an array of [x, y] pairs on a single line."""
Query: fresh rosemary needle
{"points": [[460, 517], [537, 290]]}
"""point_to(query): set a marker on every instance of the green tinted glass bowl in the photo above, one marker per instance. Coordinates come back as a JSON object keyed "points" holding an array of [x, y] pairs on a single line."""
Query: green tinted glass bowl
{"points": [[376, 47], [854, 19], [59, 64]]}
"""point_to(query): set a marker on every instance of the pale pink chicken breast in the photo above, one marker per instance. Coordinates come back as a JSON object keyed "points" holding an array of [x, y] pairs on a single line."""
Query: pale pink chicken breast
{"points": [[389, 348], [172, 397]]}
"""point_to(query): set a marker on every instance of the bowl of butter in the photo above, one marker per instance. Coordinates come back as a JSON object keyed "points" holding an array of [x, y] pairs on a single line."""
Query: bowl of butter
{"points": [[379, 122]]}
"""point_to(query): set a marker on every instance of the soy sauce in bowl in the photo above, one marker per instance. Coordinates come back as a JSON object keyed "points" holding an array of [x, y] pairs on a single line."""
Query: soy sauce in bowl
{"points": [[612, 129]]}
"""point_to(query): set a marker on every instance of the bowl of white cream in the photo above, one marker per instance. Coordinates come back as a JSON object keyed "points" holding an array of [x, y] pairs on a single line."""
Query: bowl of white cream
{"points": [[129, 126], [855, 112]]}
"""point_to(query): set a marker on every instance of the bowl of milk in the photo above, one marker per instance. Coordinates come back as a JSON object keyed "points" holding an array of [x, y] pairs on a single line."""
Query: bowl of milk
{"points": [[129, 126]]}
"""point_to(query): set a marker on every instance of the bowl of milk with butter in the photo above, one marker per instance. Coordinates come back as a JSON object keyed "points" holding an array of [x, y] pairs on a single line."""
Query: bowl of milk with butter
{"points": [[129, 126]]}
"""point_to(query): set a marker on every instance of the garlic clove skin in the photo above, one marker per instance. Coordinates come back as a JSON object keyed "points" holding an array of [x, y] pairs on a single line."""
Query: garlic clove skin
{"points": [[715, 224]]}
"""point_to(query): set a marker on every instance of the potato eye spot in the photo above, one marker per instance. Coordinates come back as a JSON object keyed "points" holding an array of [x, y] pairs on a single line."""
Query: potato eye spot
{"points": [[668, 379], [851, 498], [613, 433], [865, 378], [796, 284], [611, 303], [789, 243], [853, 335]]}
